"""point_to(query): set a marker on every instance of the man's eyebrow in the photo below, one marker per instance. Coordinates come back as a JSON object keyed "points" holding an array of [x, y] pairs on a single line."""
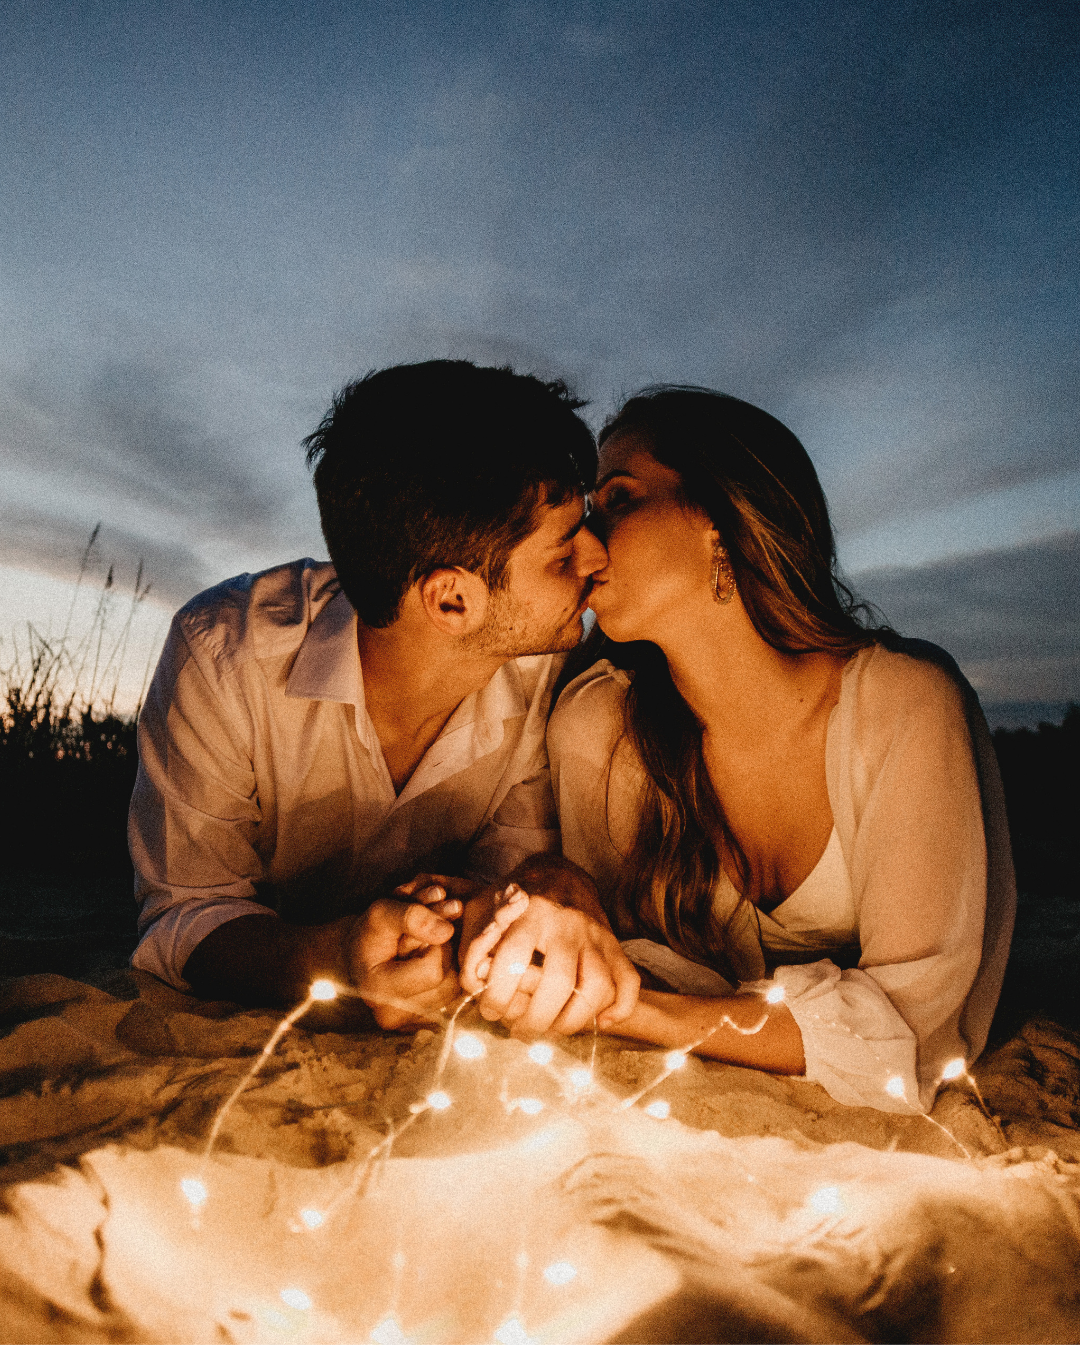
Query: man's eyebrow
{"points": [[615, 473]]}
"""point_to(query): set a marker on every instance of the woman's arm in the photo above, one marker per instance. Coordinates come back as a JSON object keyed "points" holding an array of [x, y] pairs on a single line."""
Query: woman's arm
{"points": [[740, 1029]]}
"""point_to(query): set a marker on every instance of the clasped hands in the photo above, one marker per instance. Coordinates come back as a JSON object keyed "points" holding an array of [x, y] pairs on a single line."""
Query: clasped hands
{"points": [[533, 964]]}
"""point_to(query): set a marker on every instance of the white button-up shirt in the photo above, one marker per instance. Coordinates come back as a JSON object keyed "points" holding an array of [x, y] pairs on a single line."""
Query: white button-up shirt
{"points": [[262, 785]]}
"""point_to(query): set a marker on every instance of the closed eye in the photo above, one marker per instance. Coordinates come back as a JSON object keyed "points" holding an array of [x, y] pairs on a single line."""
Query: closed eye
{"points": [[615, 498]]}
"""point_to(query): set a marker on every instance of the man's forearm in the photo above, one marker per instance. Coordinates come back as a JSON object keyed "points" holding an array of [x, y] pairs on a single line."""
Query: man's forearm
{"points": [[257, 958], [557, 878], [547, 874]]}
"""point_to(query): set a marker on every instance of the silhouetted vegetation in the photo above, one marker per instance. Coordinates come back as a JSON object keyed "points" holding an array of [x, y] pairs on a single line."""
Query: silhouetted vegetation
{"points": [[1041, 773], [65, 783], [67, 768], [67, 759]]}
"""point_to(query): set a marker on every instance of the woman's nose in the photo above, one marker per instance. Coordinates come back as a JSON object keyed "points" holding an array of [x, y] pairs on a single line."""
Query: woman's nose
{"points": [[590, 553]]}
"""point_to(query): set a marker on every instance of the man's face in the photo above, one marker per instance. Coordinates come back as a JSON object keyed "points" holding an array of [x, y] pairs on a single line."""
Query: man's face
{"points": [[545, 591]]}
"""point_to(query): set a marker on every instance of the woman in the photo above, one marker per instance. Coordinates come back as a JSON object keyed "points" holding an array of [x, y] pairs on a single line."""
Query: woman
{"points": [[764, 786]]}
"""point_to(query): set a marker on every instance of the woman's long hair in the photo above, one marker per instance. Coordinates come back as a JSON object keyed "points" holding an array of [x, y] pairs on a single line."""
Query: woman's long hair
{"points": [[756, 483]]}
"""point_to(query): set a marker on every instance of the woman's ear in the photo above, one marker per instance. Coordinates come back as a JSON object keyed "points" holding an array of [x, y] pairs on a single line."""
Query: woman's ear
{"points": [[454, 601]]}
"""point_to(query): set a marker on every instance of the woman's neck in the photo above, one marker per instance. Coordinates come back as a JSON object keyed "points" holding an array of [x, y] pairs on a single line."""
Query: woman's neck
{"points": [[740, 688]]}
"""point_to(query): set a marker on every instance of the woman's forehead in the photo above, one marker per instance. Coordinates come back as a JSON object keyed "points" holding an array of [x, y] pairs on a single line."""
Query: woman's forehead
{"points": [[630, 453]]}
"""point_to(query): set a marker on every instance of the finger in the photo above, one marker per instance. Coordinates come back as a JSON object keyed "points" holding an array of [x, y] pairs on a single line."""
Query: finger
{"points": [[556, 988], [425, 925], [418, 1009], [461, 887], [509, 963], [482, 946], [445, 909], [519, 1006], [594, 993], [374, 937], [425, 895], [627, 988], [418, 883], [405, 979]]}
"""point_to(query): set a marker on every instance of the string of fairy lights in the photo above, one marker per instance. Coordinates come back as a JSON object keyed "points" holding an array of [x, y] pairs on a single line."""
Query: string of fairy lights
{"points": [[574, 1083]]}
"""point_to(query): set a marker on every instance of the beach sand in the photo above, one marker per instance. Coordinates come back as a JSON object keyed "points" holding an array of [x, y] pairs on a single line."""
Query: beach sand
{"points": [[528, 1202]]}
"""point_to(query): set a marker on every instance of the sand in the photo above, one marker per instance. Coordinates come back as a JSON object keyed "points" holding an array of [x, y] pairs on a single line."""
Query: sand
{"points": [[527, 1202]]}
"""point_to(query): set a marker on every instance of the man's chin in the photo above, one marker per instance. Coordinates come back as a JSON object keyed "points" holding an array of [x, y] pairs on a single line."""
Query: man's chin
{"points": [[565, 640]]}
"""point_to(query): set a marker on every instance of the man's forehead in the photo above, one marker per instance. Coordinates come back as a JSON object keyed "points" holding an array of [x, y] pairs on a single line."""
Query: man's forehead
{"points": [[555, 523]]}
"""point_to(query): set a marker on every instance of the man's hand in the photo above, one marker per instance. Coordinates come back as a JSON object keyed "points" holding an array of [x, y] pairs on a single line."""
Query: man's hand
{"points": [[582, 973], [399, 956]]}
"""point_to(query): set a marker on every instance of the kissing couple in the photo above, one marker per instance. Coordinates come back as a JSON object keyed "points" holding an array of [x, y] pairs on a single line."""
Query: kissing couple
{"points": [[741, 812]]}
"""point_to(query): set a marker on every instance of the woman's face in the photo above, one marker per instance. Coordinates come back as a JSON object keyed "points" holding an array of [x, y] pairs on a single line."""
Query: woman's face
{"points": [[660, 552]]}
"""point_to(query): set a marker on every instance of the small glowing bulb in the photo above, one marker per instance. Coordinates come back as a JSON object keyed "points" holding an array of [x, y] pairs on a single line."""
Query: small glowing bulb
{"points": [[195, 1192], [895, 1086], [522, 1261], [313, 1218], [775, 994], [512, 1332], [399, 1260], [540, 1140], [469, 1046], [438, 1101], [580, 1078], [388, 1332], [531, 1106], [826, 1200], [322, 991], [658, 1110], [541, 1053], [953, 1069], [296, 1298], [517, 967], [675, 1059], [560, 1272]]}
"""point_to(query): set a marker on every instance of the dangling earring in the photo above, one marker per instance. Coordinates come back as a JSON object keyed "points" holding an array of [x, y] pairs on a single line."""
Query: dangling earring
{"points": [[723, 577]]}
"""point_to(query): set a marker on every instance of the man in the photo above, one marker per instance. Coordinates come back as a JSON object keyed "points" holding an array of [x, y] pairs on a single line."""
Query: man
{"points": [[323, 743]]}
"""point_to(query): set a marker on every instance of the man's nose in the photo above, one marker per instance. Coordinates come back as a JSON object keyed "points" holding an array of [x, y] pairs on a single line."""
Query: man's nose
{"points": [[589, 553]]}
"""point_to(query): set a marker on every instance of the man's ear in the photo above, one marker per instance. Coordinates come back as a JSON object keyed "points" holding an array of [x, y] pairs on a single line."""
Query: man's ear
{"points": [[454, 600]]}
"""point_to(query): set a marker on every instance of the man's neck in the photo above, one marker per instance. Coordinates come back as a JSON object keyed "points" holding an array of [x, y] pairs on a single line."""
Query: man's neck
{"points": [[413, 681]]}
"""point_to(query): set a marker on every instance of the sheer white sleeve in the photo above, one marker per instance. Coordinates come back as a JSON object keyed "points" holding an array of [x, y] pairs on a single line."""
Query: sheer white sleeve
{"points": [[597, 781], [905, 795]]}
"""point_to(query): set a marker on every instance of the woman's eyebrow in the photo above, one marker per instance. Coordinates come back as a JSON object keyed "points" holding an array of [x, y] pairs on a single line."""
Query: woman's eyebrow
{"points": [[614, 473]]}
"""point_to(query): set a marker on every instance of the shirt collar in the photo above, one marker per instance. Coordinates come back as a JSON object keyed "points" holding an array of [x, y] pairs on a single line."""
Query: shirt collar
{"points": [[327, 666]]}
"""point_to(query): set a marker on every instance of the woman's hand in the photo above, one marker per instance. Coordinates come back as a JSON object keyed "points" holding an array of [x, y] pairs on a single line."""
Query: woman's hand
{"points": [[582, 973]]}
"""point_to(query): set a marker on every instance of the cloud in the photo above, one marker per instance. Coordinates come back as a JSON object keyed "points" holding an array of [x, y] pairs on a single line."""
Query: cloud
{"points": [[130, 430], [55, 545], [1010, 618]]}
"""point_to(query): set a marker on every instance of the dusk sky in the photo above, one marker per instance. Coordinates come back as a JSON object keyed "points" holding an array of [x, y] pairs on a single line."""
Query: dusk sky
{"points": [[863, 217]]}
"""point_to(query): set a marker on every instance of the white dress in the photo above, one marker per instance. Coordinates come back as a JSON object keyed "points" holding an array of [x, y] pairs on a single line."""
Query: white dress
{"points": [[892, 951]]}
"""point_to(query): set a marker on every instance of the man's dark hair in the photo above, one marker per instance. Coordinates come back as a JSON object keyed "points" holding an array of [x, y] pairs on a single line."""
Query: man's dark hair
{"points": [[440, 464]]}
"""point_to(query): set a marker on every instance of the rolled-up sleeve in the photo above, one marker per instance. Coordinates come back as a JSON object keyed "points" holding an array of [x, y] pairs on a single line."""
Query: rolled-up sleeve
{"points": [[194, 812]]}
